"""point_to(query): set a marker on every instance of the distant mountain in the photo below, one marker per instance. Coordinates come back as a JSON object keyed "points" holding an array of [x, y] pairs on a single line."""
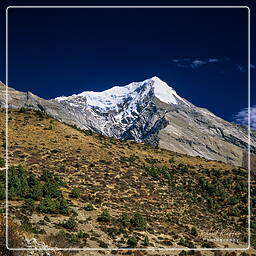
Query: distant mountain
{"points": [[149, 111]]}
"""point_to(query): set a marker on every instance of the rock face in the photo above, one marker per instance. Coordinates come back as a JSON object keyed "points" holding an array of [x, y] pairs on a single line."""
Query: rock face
{"points": [[148, 111]]}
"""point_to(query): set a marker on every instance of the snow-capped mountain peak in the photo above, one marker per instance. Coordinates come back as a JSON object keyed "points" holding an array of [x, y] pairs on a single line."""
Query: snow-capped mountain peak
{"points": [[112, 98], [149, 111], [165, 93]]}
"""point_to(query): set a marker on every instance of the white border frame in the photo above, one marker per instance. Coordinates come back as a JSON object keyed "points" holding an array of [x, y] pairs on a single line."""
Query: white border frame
{"points": [[133, 249]]}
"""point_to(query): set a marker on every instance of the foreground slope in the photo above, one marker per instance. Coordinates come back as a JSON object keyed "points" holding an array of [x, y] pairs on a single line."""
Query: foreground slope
{"points": [[120, 193]]}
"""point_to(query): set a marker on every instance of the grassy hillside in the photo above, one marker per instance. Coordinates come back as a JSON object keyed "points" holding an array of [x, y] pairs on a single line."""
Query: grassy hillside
{"points": [[72, 188]]}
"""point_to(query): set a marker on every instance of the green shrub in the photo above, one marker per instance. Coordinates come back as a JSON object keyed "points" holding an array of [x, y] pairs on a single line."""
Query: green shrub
{"points": [[63, 205], [51, 189], [82, 234], [87, 132], [182, 168], [2, 191], [41, 114], [146, 241], [211, 189], [75, 193], [56, 206], [202, 182], [125, 219], [152, 160], [27, 225], [186, 243], [89, 207], [29, 206], [70, 223], [233, 200], [17, 183], [72, 238], [36, 192], [112, 140], [138, 221], [2, 162], [234, 212], [23, 110], [167, 242], [172, 160], [32, 180], [159, 172], [103, 244], [132, 242], [24, 185], [47, 176], [104, 216], [48, 205], [193, 231], [209, 202]]}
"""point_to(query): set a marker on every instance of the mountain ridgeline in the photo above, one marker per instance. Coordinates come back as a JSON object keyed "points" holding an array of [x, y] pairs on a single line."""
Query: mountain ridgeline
{"points": [[149, 111]]}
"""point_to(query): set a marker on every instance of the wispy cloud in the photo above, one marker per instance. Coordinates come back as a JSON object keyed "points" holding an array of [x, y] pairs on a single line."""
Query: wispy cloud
{"points": [[240, 68], [213, 60], [243, 115], [193, 63], [197, 63], [243, 68]]}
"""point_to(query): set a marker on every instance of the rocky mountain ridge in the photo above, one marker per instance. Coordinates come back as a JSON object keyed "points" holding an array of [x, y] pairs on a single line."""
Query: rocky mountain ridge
{"points": [[148, 111]]}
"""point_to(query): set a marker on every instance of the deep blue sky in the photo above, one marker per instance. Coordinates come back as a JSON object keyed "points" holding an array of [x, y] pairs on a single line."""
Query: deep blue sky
{"points": [[55, 52]]}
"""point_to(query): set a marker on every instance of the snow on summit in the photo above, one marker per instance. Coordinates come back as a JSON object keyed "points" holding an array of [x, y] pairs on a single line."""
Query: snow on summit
{"points": [[110, 99], [164, 92]]}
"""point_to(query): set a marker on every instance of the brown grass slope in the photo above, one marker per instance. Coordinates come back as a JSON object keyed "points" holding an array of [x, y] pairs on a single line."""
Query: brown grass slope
{"points": [[176, 198]]}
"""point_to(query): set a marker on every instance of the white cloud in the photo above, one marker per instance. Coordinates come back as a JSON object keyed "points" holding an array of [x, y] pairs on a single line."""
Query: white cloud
{"points": [[240, 68], [197, 63], [190, 63], [213, 60], [243, 116]]}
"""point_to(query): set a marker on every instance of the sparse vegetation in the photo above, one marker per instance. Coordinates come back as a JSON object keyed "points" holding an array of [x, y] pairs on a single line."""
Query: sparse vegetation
{"points": [[125, 219], [186, 243], [193, 231], [29, 206], [138, 221], [2, 162], [146, 241], [155, 197], [89, 207], [104, 216], [71, 223], [132, 242], [87, 132], [75, 193], [23, 110], [172, 160]]}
